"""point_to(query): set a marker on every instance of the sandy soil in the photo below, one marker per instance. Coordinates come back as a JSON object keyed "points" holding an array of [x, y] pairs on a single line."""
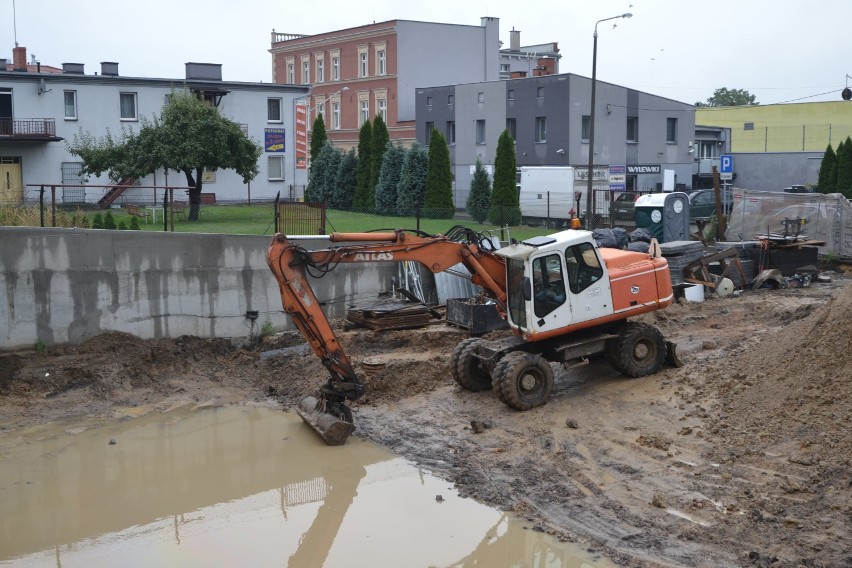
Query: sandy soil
{"points": [[740, 458]]}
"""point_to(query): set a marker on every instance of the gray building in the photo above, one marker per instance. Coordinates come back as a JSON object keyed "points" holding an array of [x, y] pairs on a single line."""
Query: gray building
{"points": [[637, 134], [43, 109]]}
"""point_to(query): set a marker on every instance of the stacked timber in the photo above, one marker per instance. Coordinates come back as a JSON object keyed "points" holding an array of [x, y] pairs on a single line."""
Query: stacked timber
{"points": [[389, 313]]}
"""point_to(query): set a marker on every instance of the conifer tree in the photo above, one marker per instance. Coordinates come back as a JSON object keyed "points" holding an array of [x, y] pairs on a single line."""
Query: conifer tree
{"points": [[827, 171], [377, 151], [318, 137], [389, 179], [412, 182], [505, 208], [344, 187], [362, 200], [843, 184], [438, 199], [479, 198]]}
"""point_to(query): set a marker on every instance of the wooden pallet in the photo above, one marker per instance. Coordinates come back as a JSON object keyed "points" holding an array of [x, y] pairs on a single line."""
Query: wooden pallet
{"points": [[388, 314]]}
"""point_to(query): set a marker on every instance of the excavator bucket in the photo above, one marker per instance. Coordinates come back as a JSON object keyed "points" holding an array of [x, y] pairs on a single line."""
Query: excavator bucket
{"points": [[330, 428]]}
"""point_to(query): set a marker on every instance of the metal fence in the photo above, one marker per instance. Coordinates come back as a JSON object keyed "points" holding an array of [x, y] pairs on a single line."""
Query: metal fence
{"points": [[158, 208]]}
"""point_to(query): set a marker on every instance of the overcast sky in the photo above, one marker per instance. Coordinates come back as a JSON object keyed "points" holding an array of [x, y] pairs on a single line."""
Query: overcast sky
{"points": [[781, 51]]}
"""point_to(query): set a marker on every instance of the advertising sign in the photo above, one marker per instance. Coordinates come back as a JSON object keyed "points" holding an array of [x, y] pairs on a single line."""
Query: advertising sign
{"points": [[599, 173], [301, 137], [617, 178], [273, 140]]}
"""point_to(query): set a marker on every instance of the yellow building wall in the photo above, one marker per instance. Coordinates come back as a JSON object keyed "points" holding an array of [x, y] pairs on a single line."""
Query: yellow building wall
{"points": [[795, 127]]}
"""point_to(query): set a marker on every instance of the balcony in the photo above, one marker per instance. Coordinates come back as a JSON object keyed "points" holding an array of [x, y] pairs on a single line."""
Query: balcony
{"points": [[28, 130]]}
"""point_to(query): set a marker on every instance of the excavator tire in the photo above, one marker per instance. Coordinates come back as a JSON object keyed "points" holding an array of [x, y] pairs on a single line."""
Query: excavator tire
{"points": [[471, 374], [454, 357], [639, 350], [524, 380]]}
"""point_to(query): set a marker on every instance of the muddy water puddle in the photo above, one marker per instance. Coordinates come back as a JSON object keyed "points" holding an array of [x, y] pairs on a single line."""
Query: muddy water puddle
{"points": [[240, 486]]}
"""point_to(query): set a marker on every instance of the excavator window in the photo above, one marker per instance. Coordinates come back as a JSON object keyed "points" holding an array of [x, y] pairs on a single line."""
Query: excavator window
{"points": [[584, 267], [548, 284]]}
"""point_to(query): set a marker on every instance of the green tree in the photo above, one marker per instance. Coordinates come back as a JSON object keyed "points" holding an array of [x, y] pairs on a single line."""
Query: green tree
{"points": [[323, 172], [479, 198], [98, 221], [344, 185], [134, 223], [412, 182], [109, 221], [389, 179], [505, 207], [844, 168], [188, 136], [438, 199], [379, 143], [363, 193], [318, 137], [730, 97], [827, 172]]}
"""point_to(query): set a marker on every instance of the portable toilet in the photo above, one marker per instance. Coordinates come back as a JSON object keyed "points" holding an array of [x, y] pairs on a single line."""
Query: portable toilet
{"points": [[665, 215]]}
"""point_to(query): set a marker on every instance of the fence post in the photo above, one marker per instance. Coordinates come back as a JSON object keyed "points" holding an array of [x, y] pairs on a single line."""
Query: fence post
{"points": [[41, 205], [52, 205], [547, 222], [165, 209], [275, 212]]}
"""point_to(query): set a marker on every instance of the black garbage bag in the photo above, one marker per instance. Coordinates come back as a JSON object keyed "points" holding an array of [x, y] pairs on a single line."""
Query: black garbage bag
{"points": [[641, 235], [621, 237], [638, 246], [605, 238]]}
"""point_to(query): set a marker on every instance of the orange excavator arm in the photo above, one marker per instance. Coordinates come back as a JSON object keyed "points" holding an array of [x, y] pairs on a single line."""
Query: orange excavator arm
{"points": [[292, 264]]}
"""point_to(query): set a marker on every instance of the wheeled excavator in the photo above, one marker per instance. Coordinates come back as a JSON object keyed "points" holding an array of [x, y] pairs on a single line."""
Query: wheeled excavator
{"points": [[565, 300]]}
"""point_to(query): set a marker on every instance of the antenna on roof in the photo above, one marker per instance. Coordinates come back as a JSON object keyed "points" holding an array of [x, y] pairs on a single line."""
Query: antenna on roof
{"points": [[14, 23]]}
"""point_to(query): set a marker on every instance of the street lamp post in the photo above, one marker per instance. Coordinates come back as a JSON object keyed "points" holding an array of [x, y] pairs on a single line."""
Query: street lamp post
{"points": [[589, 215]]}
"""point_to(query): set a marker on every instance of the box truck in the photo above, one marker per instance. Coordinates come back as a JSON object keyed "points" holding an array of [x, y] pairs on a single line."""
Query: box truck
{"points": [[547, 195]]}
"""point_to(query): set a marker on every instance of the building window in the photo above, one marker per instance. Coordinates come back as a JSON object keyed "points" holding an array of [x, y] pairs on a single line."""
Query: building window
{"points": [[320, 71], [335, 69], [504, 68], [632, 129], [362, 64], [429, 127], [480, 97], [275, 168], [335, 116], [671, 130], [748, 126], [273, 110], [510, 95], [291, 73], [428, 101], [365, 111], [539, 92], [512, 127], [127, 102], [480, 131], [451, 132], [451, 100], [306, 72], [321, 110], [381, 62], [585, 128], [70, 105], [383, 109], [541, 129]]}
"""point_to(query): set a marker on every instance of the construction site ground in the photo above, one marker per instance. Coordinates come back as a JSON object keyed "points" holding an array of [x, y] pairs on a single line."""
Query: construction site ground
{"points": [[742, 457]]}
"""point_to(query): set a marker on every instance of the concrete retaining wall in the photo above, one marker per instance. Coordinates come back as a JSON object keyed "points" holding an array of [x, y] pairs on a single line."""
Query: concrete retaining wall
{"points": [[67, 285]]}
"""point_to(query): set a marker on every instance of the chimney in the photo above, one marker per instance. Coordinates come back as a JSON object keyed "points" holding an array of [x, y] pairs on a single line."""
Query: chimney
{"points": [[3, 64], [515, 39], [109, 68], [547, 65], [19, 59], [72, 68]]}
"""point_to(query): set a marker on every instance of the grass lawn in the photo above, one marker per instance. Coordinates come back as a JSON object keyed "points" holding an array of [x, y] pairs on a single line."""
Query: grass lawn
{"points": [[259, 220]]}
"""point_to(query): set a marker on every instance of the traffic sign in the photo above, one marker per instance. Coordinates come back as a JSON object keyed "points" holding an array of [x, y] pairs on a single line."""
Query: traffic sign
{"points": [[726, 164]]}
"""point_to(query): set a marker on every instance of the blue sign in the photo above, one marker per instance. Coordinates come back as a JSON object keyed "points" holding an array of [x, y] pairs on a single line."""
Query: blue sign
{"points": [[273, 140], [726, 164]]}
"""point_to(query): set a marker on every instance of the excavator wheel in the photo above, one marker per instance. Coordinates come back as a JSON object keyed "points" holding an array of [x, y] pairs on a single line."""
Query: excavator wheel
{"points": [[523, 380], [639, 350], [470, 373], [456, 354]]}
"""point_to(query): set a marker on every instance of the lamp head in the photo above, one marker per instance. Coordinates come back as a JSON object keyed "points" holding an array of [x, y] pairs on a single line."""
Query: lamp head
{"points": [[627, 15]]}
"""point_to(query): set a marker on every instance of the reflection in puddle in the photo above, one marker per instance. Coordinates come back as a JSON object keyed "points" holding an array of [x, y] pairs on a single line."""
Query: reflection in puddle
{"points": [[240, 486]]}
